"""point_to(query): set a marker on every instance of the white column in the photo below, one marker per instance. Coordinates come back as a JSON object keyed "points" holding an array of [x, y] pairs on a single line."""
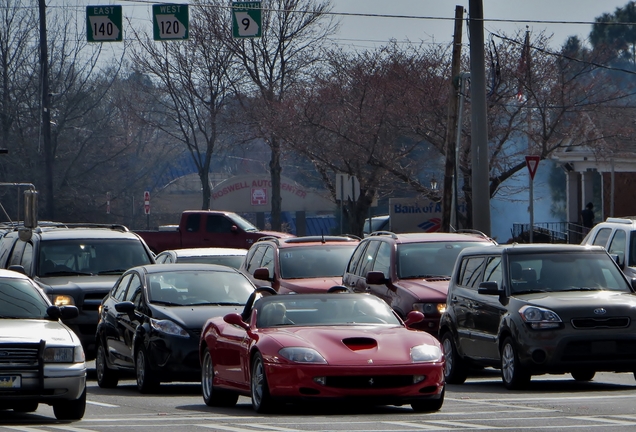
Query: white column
{"points": [[572, 196], [586, 187]]}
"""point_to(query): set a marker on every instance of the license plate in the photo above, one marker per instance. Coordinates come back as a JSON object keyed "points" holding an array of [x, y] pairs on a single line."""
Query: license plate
{"points": [[10, 381]]}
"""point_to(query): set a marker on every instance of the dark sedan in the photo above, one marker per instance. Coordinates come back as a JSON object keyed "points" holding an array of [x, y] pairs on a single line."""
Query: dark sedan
{"points": [[151, 320]]}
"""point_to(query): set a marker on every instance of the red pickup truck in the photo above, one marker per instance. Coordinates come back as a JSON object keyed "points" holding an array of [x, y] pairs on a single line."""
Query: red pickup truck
{"points": [[206, 228]]}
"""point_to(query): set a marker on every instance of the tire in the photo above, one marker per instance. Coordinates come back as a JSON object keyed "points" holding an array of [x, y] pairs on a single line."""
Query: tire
{"points": [[26, 407], [106, 377], [429, 405], [455, 368], [261, 399], [71, 410], [211, 396], [583, 375], [147, 380], [513, 374]]}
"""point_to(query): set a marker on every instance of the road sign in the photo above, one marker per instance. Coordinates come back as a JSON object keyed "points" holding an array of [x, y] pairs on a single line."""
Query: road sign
{"points": [[532, 162], [147, 202], [103, 23], [246, 19], [347, 186], [170, 21]]}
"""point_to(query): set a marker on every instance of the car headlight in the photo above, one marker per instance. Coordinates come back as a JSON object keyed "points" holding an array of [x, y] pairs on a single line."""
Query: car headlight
{"points": [[64, 355], [168, 327], [61, 300], [302, 355], [539, 318], [426, 353], [430, 308]]}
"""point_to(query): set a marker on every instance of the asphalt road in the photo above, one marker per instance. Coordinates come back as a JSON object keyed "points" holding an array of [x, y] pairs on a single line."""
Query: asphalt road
{"points": [[550, 403]]}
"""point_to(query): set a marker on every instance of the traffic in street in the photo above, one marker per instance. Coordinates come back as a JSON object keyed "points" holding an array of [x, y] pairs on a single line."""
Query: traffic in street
{"points": [[551, 402]]}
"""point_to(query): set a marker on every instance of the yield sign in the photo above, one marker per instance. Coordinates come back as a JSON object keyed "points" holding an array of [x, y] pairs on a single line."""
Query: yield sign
{"points": [[532, 162]]}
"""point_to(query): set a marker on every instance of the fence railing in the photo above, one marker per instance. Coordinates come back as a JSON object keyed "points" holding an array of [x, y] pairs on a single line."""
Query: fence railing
{"points": [[549, 232]]}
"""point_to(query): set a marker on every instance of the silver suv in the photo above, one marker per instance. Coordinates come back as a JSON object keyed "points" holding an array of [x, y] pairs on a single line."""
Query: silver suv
{"points": [[618, 237]]}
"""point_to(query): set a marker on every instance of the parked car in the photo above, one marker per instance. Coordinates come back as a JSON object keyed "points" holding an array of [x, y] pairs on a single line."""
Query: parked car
{"points": [[231, 257], [320, 347], [537, 309], [409, 271], [309, 264], [618, 236], [206, 228], [41, 359], [75, 264], [151, 321]]}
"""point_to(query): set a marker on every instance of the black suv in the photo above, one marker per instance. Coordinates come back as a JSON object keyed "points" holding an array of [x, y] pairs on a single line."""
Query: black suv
{"points": [[536, 309], [75, 264]]}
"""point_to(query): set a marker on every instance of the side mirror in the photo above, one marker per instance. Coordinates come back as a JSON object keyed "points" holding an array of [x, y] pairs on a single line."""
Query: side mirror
{"points": [[234, 229], [413, 317], [62, 312], [489, 288], [376, 278], [126, 307], [633, 281], [262, 273], [619, 258], [18, 268], [30, 208], [236, 319]]}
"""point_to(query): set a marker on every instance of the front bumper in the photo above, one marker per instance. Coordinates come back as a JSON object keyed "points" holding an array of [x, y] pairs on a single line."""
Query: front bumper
{"points": [[60, 382], [388, 384], [174, 358]]}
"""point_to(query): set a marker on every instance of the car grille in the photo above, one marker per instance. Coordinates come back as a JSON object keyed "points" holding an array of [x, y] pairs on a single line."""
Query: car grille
{"points": [[368, 382], [23, 356], [593, 323], [600, 350]]}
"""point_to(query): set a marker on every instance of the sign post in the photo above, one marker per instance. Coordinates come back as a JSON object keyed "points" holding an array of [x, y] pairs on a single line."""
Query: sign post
{"points": [[532, 162], [246, 19], [170, 21], [107, 202], [147, 208], [103, 23]]}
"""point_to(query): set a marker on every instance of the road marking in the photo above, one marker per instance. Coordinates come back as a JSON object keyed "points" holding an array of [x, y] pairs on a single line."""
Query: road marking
{"points": [[229, 428], [163, 418], [25, 429], [102, 404], [72, 429], [605, 420], [412, 425]]}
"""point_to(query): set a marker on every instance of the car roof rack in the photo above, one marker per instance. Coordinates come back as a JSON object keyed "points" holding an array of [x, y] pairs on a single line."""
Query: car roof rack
{"points": [[322, 238], [384, 233], [473, 232], [268, 238], [628, 220], [117, 227]]}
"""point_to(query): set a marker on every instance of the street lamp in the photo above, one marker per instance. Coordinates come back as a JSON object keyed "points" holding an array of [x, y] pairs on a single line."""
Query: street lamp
{"points": [[433, 184]]}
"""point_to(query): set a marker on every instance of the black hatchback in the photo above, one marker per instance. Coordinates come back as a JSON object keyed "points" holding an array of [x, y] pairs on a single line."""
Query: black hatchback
{"points": [[151, 321], [536, 309]]}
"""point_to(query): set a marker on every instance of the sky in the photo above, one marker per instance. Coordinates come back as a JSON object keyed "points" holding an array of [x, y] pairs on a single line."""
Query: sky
{"points": [[432, 20]]}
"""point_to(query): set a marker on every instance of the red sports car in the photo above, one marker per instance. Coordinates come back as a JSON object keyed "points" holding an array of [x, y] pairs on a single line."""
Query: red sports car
{"points": [[290, 348]]}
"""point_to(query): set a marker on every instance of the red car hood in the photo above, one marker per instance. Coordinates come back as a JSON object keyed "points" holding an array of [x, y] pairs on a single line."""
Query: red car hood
{"points": [[428, 289], [355, 345], [310, 285]]}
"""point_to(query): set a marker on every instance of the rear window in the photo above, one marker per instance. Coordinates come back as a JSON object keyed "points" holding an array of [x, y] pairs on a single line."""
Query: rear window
{"points": [[417, 260], [315, 261]]}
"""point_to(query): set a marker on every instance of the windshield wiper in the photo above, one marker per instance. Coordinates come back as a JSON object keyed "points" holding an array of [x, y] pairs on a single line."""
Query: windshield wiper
{"points": [[216, 304], [426, 276], [165, 303], [535, 291], [66, 273], [114, 271]]}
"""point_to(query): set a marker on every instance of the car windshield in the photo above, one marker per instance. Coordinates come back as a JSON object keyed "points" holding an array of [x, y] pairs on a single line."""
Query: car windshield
{"points": [[315, 261], [429, 259], [565, 271], [195, 287], [20, 299], [242, 223], [90, 256], [226, 260], [340, 309]]}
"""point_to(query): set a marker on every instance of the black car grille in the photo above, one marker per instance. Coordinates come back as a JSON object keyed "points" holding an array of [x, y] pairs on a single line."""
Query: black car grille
{"points": [[600, 350], [369, 381], [594, 323], [23, 356]]}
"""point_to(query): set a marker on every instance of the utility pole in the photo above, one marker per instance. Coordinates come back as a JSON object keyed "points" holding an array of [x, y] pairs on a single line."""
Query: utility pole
{"points": [[479, 126], [46, 113], [451, 125]]}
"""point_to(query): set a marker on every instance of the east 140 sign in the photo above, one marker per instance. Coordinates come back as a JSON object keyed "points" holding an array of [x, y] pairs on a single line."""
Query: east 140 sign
{"points": [[170, 21], [103, 23], [246, 19]]}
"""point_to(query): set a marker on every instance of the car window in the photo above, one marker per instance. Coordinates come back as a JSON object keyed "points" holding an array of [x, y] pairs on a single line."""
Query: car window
{"points": [[27, 257], [314, 261], [161, 258], [426, 259], [193, 222], [268, 259], [366, 263], [471, 271], [218, 224], [492, 272], [383, 259], [255, 260], [617, 245], [601, 237], [16, 254], [354, 262], [20, 299], [226, 260], [119, 291], [632, 249], [134, 288]]}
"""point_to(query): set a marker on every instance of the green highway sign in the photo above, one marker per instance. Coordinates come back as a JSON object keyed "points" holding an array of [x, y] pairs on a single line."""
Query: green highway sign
{"points": [[246, 19], [170, 21], [103, 24]]}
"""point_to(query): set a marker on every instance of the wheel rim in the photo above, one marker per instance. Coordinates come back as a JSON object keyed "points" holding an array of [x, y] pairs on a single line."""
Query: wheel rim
{"points": [[99, 364], [257, 382], [206, 379], [141, 367], [447, 345], [508, 363]]}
